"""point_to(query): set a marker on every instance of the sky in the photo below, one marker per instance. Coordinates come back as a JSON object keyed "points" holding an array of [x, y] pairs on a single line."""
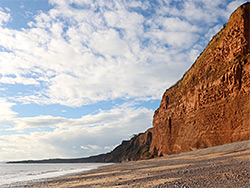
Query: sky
{"points": [[79, 76]]}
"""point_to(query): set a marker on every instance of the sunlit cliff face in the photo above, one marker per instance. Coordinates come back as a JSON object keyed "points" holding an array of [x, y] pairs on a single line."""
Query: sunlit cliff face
{"points": [[211, 104]]}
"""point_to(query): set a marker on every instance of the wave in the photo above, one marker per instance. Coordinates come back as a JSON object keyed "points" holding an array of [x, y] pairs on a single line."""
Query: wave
{"points": [[22, 174]]}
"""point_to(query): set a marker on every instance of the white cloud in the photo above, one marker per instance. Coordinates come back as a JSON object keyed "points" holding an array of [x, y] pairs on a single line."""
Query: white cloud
{"points": [[84, 147], [193, 54], [4, 17], [173, 24], [85, 136], [109, 43], [22, 6], [82, 56], [5, 110], [212, 31], [109, 148], [193, 12], [94, 147], [176, 39], [233, 5], [17, 80]]}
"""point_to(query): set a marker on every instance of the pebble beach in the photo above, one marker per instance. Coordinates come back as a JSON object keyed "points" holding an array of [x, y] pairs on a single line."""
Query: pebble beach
{"points": [[222, 166]]}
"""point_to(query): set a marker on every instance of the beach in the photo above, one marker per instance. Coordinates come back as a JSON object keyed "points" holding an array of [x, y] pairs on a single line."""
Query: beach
{"points": [[221, 166]]}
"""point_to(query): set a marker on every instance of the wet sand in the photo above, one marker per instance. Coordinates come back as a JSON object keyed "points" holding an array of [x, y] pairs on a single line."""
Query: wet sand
{"points": [[221, 166]]}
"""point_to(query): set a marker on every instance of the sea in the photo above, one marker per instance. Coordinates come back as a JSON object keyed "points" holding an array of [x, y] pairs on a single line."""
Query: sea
{"points": [[12, 175]]}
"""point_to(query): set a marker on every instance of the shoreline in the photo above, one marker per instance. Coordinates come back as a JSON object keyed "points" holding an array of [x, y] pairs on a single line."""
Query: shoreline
{"points": [[221, 166], [47, 175]]}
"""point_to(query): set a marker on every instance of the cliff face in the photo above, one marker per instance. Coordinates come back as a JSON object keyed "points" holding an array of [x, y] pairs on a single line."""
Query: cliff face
{"points": [[210, 105], [135, 149]]}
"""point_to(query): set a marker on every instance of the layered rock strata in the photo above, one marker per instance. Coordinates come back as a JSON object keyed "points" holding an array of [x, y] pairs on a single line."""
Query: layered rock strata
{"points": [[210, 105]]}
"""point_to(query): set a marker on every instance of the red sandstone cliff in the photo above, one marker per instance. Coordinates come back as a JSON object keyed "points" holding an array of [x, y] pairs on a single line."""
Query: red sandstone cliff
{"points": [[210, 105]]}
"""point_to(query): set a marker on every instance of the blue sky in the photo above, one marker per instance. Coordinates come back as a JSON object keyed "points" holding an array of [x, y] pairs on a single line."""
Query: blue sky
{"points": [[79, 76]]}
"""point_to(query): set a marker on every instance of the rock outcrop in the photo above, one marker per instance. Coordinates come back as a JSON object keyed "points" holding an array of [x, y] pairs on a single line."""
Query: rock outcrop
{"points": [[210, 105]]}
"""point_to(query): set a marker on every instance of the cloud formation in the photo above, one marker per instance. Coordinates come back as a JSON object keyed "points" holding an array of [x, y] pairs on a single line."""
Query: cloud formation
{"points": [[4, 16], [5, 111], [50, 137], [84, 52]]}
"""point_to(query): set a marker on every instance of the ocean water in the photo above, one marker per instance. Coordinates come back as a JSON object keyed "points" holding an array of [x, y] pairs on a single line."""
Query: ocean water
{"points": [[22, 174]]}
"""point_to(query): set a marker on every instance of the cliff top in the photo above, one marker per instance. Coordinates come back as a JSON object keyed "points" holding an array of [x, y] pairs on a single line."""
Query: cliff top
{"points": [[226, 48]]}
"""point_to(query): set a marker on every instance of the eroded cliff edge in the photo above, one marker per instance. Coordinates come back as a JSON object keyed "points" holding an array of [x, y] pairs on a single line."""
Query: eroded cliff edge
{"points": [[210, 105]]}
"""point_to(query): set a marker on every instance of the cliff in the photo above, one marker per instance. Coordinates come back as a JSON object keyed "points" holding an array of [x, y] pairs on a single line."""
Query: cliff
{"points": [[210, 105]]}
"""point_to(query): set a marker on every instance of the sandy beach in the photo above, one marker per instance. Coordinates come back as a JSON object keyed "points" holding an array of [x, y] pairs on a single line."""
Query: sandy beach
{"points": [[221, 166]]}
